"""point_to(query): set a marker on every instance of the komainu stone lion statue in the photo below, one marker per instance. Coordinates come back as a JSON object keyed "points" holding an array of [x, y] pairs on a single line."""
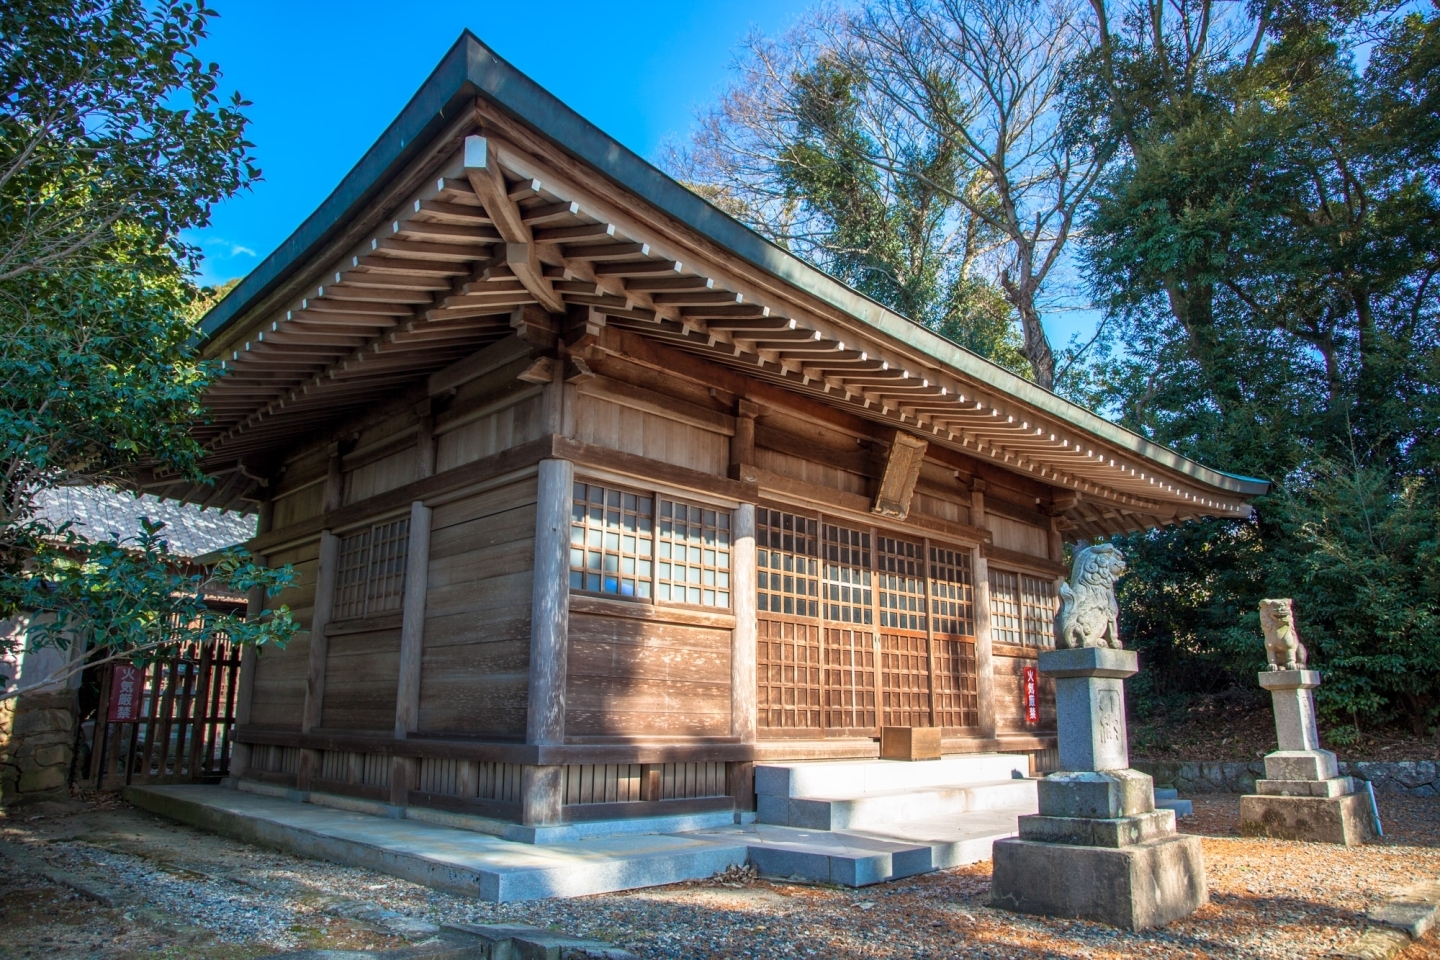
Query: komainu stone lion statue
{"points": [[1088, 614], [1282, 641]]}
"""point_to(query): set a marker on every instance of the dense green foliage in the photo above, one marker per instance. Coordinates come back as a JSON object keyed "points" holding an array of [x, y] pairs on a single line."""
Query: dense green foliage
{"points": [[1264, 242], [1267, 248], [112, 141], [128, 598]]}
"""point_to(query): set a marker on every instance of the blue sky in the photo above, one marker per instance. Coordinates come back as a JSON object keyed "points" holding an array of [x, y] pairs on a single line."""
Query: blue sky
{"points": [[326, 78]]}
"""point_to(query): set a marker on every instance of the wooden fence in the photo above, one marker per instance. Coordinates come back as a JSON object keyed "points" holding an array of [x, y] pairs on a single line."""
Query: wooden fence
{"points": [[184, 721]]}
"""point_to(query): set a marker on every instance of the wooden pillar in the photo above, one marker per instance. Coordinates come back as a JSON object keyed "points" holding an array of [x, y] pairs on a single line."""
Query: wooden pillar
{"points": [[742, 445], [245, 683], [425, 445], [325, 570], [334, 481], [542, 788], [550, 603], [542, 795], [412, 648], [742, 639], [984, 655]]}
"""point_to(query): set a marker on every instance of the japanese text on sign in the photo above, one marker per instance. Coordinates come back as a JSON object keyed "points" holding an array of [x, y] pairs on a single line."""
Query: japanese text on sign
{"points": [[1032, 695], [126, 685]]}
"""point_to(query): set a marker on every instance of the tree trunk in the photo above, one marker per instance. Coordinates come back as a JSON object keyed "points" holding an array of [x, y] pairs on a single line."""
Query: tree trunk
{"points": [[1037, 346]]}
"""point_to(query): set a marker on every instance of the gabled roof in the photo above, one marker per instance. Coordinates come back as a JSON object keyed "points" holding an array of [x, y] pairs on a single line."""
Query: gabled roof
{"points": [[488, 193]]}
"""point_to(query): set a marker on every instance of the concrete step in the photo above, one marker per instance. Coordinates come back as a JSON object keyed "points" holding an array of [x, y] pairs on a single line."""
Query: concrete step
{"points": [[892, 807], [1182, 808], [857, 858], [851, 778], [458, 861]]}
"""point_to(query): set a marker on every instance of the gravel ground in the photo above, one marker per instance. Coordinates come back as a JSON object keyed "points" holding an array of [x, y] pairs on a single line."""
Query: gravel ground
{"points": [[181, 893]]}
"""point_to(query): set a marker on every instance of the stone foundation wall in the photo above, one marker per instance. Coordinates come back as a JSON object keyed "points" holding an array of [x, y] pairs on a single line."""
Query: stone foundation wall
{"points": [[37, 743], [1418, 778]]}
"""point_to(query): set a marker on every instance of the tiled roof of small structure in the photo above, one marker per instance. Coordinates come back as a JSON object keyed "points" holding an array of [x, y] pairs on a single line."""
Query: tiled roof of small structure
{"points": [[99, 512]]}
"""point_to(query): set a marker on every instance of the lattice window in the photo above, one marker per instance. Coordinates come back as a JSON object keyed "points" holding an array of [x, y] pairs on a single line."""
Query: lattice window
{"points": [[901, 566], [849, 679], [787, 549], [957, 701], [1037, 606], [952, 592], [847, 592], [370, 574], [788, 674], [1005, 607], [693, 562], [611, 540]]}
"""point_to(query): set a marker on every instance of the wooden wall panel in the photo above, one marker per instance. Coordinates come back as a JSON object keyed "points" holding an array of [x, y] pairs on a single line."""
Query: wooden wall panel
{"points": [[1010, 697], [387, 473], [474, 674], [941, 508], [607, 424], [361, 673], [640, 678], [1014, 535], [810, 471], [301, 505], [490, 434], [279, 693]]}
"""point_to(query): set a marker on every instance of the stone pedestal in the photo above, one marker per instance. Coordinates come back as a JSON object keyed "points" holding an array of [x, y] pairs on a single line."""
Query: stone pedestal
{"points": [[1303, 797], [1098, 849]]}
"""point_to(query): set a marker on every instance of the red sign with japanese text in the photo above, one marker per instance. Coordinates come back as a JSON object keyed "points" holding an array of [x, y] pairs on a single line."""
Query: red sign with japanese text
{"points": [[1032, 695], [126, 692]]}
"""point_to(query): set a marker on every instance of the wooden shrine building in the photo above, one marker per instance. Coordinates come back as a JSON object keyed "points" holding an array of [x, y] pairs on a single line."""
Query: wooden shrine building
{"points": [[597, 497]]}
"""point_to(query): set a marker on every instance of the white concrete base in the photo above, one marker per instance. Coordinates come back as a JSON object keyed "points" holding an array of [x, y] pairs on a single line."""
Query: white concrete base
{"points": [[562, 833], [459, 861]]}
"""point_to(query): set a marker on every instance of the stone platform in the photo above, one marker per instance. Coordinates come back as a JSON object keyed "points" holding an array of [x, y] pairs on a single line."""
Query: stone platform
{"points": [[886, 834]]}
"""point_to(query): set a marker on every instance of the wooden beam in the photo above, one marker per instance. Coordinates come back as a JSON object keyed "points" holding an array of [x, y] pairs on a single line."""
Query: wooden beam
{"points": [[474, 472], [483, 171], [902, 469], [478, 364]]}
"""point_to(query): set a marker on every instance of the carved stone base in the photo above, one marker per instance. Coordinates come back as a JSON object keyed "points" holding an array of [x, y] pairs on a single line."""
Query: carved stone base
{"points": [[1348, 820], [1134, 887]]}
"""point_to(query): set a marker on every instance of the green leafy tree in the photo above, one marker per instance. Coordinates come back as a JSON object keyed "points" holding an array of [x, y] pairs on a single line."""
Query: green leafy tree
{"points": [[113, 140], [128, 599], [1266, 245], [790, 151]]}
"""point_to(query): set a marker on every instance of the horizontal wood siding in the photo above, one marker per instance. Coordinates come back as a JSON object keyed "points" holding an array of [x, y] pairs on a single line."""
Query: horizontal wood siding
{"points": [[303, 504], [811, 471], [387, 473], [607, 424], [279, 694], [361, 674], [1020, 537], [509, 427], [634, 678], [1010, 697], [474, 674]]}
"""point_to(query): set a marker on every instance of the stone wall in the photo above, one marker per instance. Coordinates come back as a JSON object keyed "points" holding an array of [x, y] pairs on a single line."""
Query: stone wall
{"points": [[1418, 778], [37, 743]]}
